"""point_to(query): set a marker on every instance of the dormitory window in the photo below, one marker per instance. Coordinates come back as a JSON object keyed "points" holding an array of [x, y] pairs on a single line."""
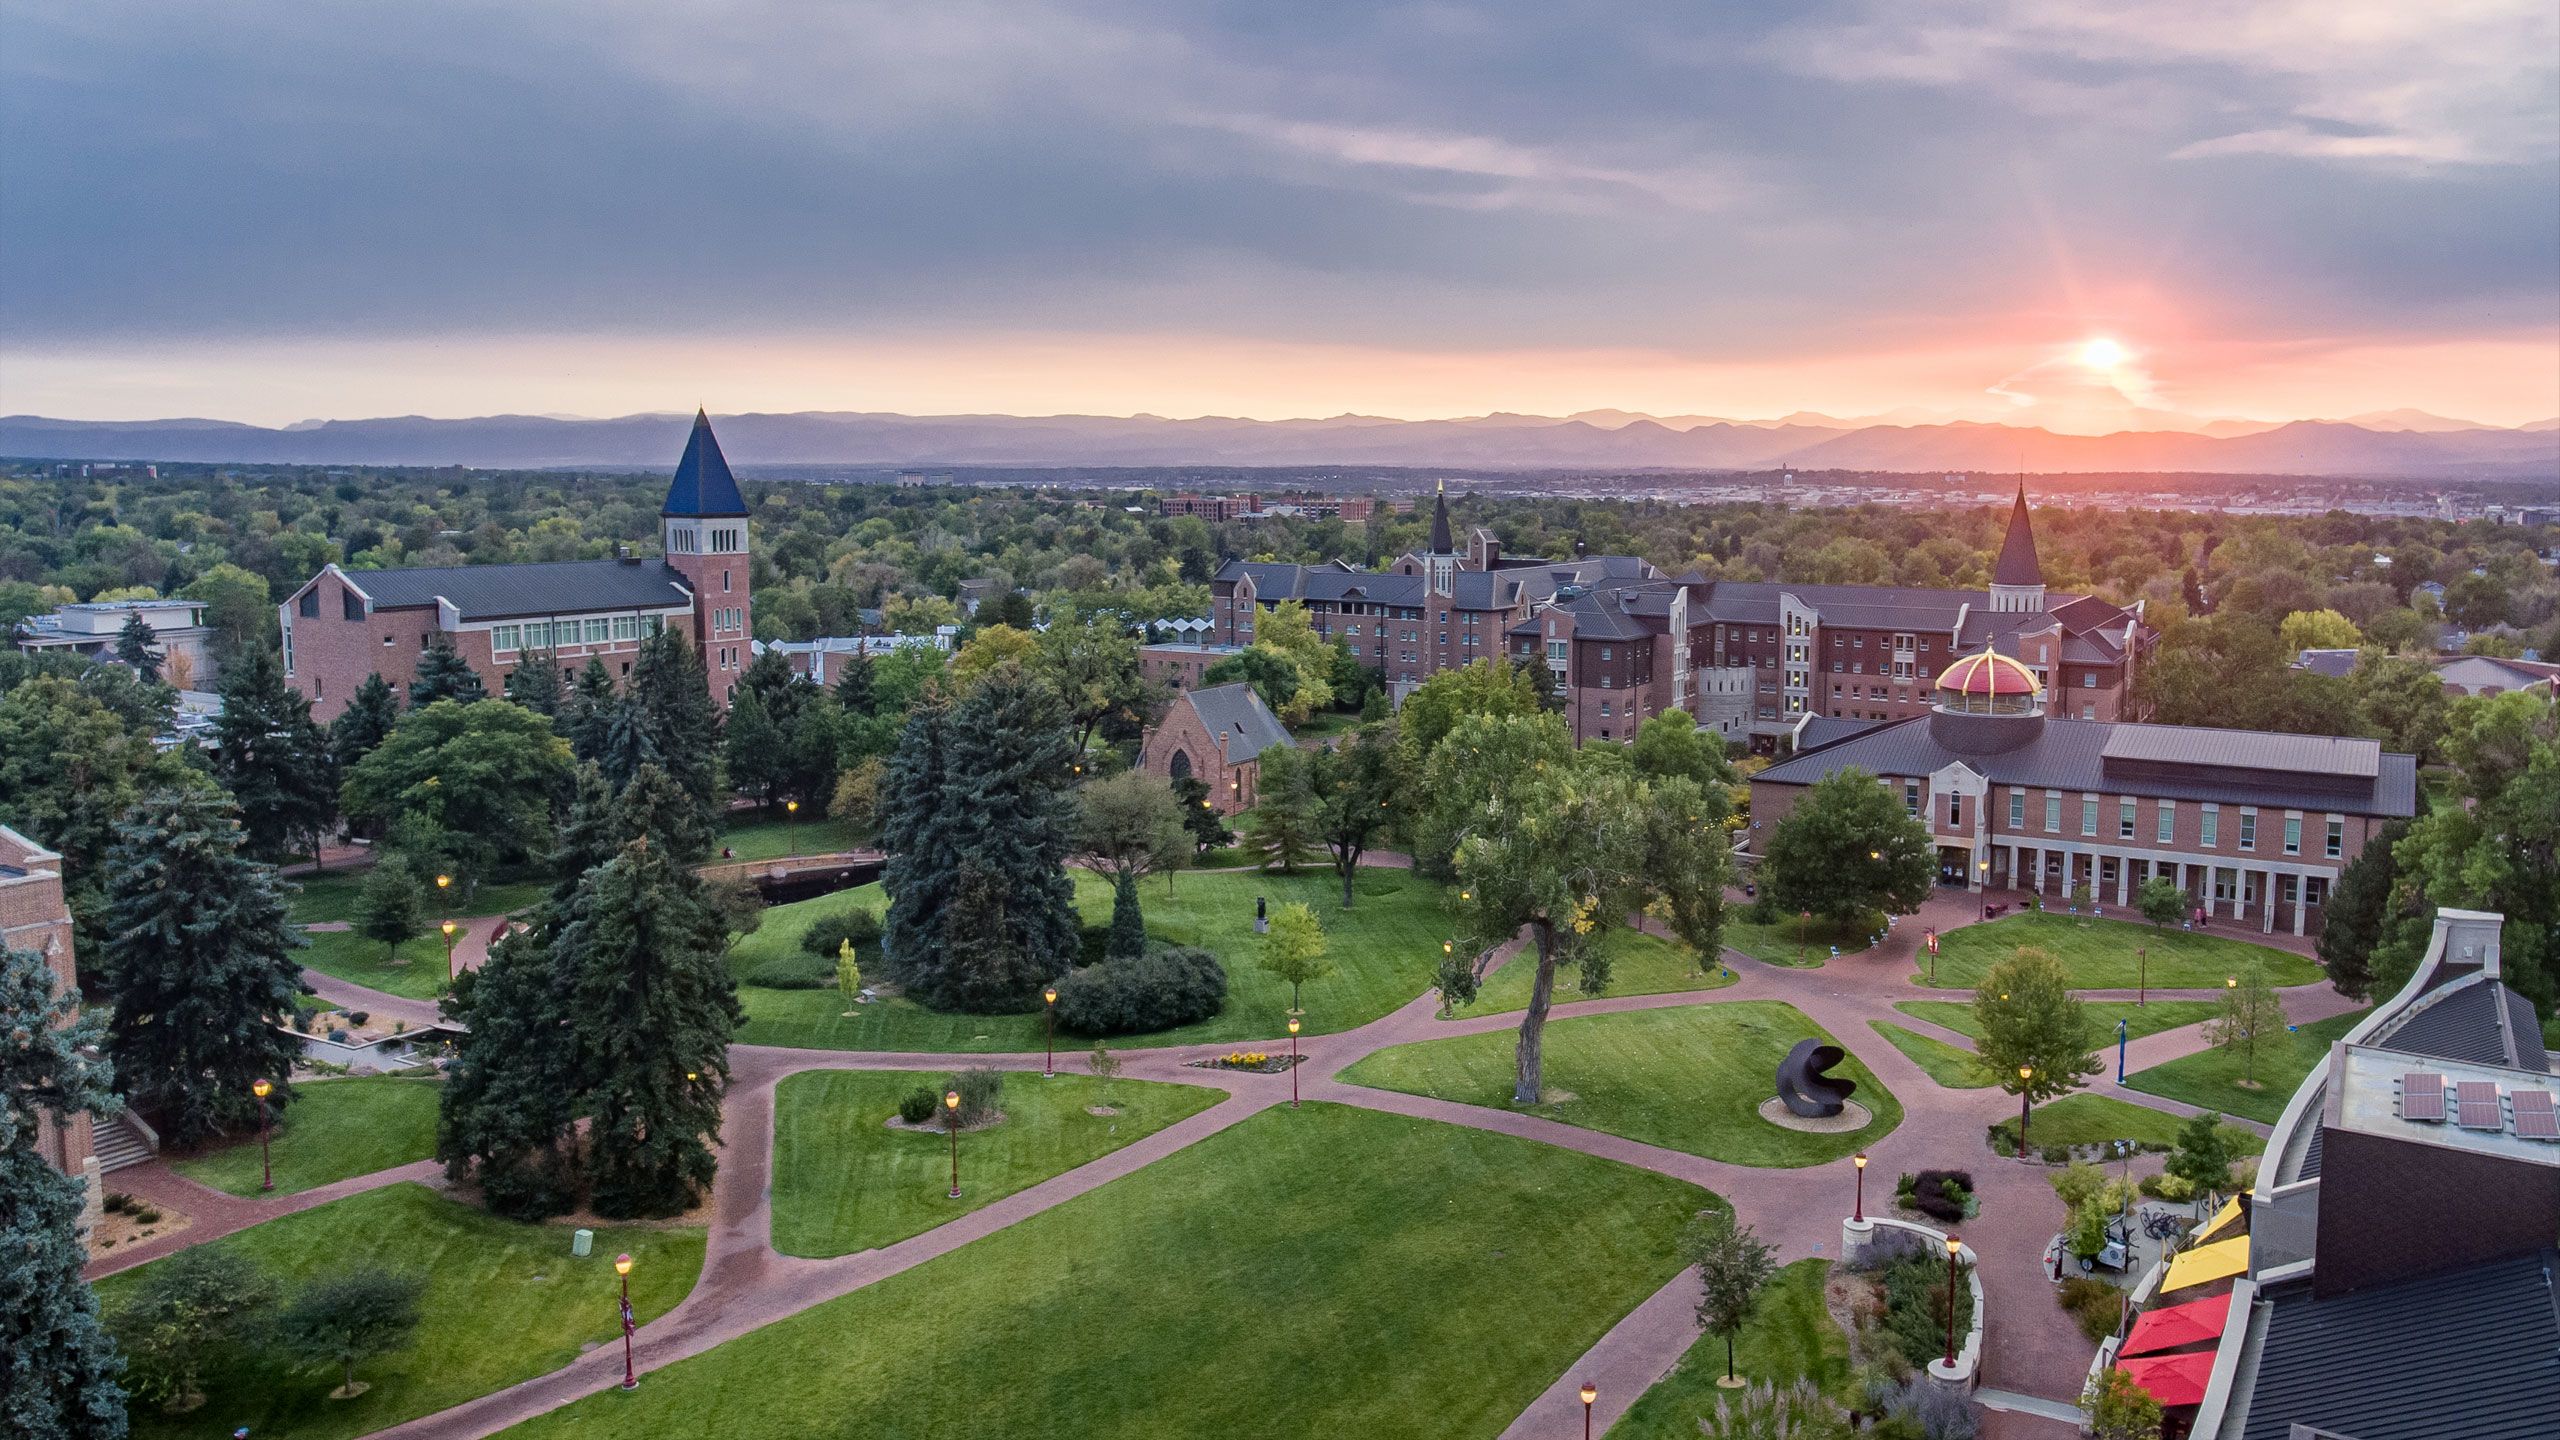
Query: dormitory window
{"points": [[2053, 814], [2248, 829], [2089, 680], [2168, 821], [599, 630], [310, 603], [2209, 833], [1911, 798], [503, 638], [350, 605], [2293, 834], [2337, 838], [2017, 809], [2089, 815], [2124, 819], [626, 627]]}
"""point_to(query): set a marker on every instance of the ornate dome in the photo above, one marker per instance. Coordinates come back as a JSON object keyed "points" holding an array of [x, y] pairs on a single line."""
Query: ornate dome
{"points": [[1988, 675]]}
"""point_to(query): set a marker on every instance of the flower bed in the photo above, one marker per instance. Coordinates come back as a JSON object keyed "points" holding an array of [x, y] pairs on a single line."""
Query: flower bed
{"points": [[1252, 1062]]}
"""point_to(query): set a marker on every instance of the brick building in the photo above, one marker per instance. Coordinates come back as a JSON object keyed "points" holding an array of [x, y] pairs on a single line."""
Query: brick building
{"points": [[1216, 735], [34, 917], [2254, 827], [343, 625]]}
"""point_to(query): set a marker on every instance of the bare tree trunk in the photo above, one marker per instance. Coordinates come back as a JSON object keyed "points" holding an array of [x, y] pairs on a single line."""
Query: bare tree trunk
{"points": [[1533, 1025], [1347, 866]]}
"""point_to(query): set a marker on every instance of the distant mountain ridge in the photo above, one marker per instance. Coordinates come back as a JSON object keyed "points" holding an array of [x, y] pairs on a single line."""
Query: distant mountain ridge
{"points": [[2389, 444]]}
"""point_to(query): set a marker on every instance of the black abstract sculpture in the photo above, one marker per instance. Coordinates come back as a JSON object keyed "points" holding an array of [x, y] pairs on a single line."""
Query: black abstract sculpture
{"points": [[1805, 1089]]}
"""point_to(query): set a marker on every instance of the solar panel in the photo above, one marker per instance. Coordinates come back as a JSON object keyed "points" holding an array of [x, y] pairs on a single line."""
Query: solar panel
{"points": [[2535, 1119], [2476, 1106], [2422, 1096]]}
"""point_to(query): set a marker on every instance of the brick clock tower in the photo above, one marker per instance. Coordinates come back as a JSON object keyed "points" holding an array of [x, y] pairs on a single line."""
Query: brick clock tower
{"points": [[703, 527]]}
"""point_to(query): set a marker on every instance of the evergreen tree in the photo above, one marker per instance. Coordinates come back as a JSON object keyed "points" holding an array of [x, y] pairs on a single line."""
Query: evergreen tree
{"points": [[1005, 785], [2360, 912], [201, 968], [368, 718], [853, 687], [1282, 828], [505, 1113], [444, 675], [588, 711], [918, 832], [986, 967], [1128, 937], [652, 1010], [587, 836], [535, 684], [813, 750], [670, 696], [133, 647], [776, 686], [58, 1369], [273, 759], [1208, 828], [757, 762]]}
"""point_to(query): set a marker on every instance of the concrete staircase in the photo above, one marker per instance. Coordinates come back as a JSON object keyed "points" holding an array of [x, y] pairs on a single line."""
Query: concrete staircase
{"points": [[121, 1141]]}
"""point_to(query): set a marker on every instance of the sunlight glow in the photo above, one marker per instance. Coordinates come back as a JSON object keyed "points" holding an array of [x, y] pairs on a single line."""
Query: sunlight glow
{"points": [[2102, 354]]}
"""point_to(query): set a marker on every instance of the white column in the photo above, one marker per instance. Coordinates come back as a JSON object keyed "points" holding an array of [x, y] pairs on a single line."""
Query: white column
{"points": [[2301, 903], [2124, 881], [2267, 902]]}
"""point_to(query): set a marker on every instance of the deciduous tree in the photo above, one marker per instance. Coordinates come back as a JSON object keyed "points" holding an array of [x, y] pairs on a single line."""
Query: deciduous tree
{"points": [[484, 774], [1848, 851], [392, 906], [1355, 786], [2161, 901], [1293, 949], [341, 1319], [1733, 1265], [2028, 1018], [185, 1310], [2250, 1013]]}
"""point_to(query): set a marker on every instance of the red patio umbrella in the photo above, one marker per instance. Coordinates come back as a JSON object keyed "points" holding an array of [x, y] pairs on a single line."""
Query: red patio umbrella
{"points": [[2173, 1380], [2176, 1326]]}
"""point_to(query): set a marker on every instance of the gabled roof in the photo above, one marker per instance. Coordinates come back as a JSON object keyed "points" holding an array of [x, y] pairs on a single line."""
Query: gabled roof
{"points": [[1237, 713], [2017, 563], [499, 592], [703, 485], [2475, 1019]]}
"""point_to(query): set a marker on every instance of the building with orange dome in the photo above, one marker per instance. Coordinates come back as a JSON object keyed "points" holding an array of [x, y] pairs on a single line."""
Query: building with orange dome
{"points": [[2255, 827]]}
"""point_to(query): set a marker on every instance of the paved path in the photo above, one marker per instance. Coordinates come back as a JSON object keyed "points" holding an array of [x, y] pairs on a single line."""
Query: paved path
{"points": [[217, 1213], [2033, 1349]]}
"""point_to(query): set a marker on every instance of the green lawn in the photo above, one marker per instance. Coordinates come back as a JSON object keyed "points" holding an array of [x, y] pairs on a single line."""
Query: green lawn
{"points": [[1322, 1272], [1385, 951], [1790, 1337], [2081, 1118], [2211, 1078], [334, 896], [843, 1181], [503, 1303], [767, 839], [332, 1130], [1946, 1064], [2099, 954], [1791, 941], [416, 969], [2149, 1019], [1689, 1077], [1640, 964]]}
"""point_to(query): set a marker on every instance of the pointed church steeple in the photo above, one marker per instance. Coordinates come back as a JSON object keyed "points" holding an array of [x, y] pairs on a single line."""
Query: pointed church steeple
{"points": [[1442, 541], [703, 485], [2017, 580]]}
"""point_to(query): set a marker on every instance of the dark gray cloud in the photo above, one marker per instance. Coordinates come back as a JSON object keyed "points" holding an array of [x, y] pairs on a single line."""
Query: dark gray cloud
{"points": [[1549, 174]]}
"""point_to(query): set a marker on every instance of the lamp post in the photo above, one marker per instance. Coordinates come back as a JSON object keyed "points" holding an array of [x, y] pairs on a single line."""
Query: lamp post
{"points": [[448, 928], [622, 1267], [1590, 1392], [266, 1164], [1049, 998], [2025, 1074], [951, 1122], [1859, 1214], [1293, 1062], [791, 810], [1804, 925], [2141, 975], [1953, 1245], [2119, 1049], [443, 884]]}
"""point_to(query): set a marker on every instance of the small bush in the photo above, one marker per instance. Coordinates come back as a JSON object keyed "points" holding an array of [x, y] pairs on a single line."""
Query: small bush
{"points": [[793, 970], [2056, 1154], [148, 1215], [1917, 1408], [359, 1017], [2096, 1304], [827, 934], [1093, 942], [920, 1105], [337, 1037], [979, 1089], [1943, 1194], [1168, 986], [2177, 1189], [118, 1202]]}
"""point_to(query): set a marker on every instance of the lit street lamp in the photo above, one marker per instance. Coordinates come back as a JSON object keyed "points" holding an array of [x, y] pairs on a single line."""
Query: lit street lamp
{"points": [[266, 1164], [1293, 1062], [622, 1267], [1590, 1392], [443, 884], [1859, 1215], [1049, 997], [1953, 1245], [448, 928], [791, 808], [951, 1122]]}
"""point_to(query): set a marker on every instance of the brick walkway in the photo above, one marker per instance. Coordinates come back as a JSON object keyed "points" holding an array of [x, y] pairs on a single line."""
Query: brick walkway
{"points": [[2032, 1348]]}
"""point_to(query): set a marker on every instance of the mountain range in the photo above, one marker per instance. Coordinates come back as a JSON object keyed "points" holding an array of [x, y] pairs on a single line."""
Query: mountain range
{"points": [[2388, 444]]}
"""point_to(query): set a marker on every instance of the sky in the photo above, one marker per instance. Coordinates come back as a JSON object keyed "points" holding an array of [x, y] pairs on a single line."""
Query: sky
{"points": [[2083, 214]]}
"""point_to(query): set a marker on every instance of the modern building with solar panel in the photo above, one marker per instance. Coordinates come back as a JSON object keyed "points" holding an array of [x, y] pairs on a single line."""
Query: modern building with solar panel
{"points": [[2255, 827], [2391, 1275]]}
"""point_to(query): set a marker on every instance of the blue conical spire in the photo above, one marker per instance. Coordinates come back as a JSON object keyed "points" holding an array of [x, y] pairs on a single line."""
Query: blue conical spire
{"points": [[703, 484]]}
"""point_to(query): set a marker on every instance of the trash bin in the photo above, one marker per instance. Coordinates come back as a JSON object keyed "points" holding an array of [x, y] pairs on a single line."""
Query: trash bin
{"points": [[581, 1243]]}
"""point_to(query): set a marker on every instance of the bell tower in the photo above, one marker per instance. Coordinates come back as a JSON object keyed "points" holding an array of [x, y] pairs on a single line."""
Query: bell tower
{"points": [[1442, 563], [2017, 580], [703, 527]]}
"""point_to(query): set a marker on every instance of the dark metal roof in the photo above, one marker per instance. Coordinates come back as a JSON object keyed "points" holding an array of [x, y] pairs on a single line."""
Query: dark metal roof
{"points": [[2247, 750], [703, 484], [2471, 1354], [2071, 755], [2474, 1019], [1442, 542], [2017, 563], [2337, 664], [499, 592], [1236, 711]]}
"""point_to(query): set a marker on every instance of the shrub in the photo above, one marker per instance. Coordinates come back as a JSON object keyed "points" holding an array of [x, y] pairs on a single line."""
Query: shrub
{"points": [[1797, 1412], [2097, 1305], [1917, 1408], [2174, 1188], [1170, 985], [337, 1037], [359, 1017], [1912, 1271], [1942, 1194], [2055, 1154], [148, 1215], [979, 1089], [118, 1202], [793, 970], [827, 934], [1093, 942], [920, 1106]]}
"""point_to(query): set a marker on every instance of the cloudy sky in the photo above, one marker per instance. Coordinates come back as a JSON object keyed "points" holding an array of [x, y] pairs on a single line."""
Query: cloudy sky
{"points": [[277, 209]]}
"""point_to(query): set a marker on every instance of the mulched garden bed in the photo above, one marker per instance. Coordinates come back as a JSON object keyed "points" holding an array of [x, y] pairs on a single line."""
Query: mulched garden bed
{"points": [[1252, 1062]]}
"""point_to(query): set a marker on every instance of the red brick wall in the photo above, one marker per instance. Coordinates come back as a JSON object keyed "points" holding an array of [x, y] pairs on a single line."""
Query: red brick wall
{"points": [[34, 917], [332, 655], [1231, 787], [725, 651]]}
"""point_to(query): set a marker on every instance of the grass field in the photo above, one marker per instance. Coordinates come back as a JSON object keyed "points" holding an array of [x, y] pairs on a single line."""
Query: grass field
{"points": [[416, 970], [1690, 1078], [332, 1130], [1322, 1272], [1384, 950], [1782, 942], [1639, 964], [2085, 1119], [1946, 1064], [335, 895], [1790, 1337], [843, 1181], [2099, 954], [2211, 1078], [2150, 1019], [763, 838], [503, 1303]]}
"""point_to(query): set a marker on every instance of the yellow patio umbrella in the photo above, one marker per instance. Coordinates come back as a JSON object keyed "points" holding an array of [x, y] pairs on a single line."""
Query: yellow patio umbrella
{"points": [[2208, 1263], [2221, 1220]]}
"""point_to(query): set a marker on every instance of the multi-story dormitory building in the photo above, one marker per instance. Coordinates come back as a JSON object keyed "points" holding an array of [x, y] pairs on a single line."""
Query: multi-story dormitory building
{"points": [[1750, 660]]}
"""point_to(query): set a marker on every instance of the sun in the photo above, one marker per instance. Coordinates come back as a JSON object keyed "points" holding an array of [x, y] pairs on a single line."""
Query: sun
{"points": [[2102, 354]]}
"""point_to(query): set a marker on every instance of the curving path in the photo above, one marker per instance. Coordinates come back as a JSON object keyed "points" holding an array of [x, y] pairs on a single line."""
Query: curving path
{"points": [[2033, 1347]]}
